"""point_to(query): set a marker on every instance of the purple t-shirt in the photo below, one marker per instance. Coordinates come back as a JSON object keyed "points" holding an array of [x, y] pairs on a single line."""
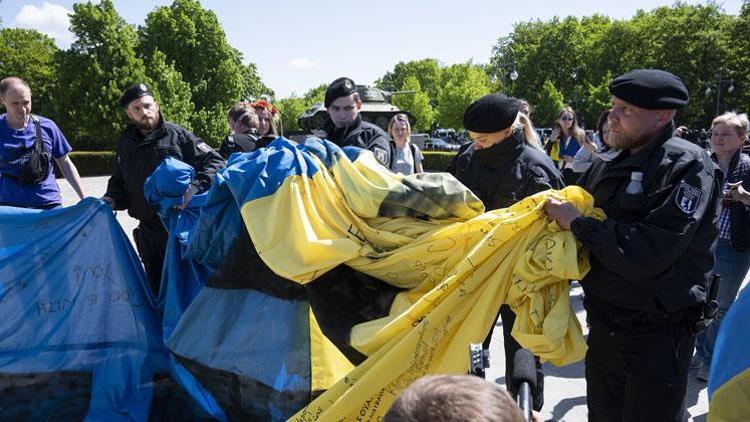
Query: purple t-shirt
{"points": [[18, 193]]}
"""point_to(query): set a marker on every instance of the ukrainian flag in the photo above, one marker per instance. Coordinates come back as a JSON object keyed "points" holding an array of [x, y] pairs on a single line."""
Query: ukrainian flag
{"points": [[424, 268], [729, 379]]}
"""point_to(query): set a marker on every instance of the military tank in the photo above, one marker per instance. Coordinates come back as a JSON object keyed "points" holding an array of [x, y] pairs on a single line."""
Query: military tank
{"points": [[376, 109]]}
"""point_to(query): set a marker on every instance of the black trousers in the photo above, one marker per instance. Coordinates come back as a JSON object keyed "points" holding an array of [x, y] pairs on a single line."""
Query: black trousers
{"points": [[151, 241], [638, 374], [511, 346]]}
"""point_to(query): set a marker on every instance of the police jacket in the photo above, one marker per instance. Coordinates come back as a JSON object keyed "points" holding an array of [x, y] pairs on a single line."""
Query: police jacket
{"points": [[363, 135], [739, 214], [654, 252], [241, 142], [139, 155], [506, 172]]}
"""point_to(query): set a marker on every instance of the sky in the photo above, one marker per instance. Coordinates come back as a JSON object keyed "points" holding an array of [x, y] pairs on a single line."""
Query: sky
{"points": [[300, 45]]}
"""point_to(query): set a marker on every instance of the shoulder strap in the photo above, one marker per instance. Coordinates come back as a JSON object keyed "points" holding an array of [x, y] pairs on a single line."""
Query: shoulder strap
{"points": [[38, 145], [392, 155], [413, 156]]}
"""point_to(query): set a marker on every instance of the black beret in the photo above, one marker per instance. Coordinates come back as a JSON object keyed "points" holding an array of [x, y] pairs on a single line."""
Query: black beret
{"points": [[133, 93], [491, 113], [653, 89], [341, 87]]}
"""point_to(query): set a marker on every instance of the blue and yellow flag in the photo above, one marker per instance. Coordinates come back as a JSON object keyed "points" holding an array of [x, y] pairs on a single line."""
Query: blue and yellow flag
{"points": [[411, 269], [729, 379]]}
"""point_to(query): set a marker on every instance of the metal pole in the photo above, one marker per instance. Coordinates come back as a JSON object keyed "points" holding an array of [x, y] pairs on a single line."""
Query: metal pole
{"points": [[718, 94]]}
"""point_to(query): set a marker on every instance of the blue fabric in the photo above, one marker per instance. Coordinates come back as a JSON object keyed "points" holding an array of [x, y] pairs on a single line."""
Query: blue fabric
{"points": [[731, 356], [571, 149], [19, 194], [75, 301], [733, 265]]}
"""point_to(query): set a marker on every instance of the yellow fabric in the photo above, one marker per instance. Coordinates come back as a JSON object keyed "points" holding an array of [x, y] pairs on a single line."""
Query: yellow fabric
{"points": [[554, 152], [458, 271], [731, 402], [327, 363]]}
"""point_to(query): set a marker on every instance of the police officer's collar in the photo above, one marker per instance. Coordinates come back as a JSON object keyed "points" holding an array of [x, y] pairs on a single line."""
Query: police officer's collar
{"points": [[502, 152], [341, 132]]}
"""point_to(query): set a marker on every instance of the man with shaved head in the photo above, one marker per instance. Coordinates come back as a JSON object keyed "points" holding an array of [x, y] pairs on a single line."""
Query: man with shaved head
{"points": [[21, 133]]}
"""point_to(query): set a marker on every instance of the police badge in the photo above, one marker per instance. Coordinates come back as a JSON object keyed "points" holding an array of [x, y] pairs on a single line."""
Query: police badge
{"points": [[687, 198]]}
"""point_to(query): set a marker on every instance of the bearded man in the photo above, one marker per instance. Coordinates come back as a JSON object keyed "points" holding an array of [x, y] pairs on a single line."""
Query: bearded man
{"points": [[144, 144], [652, 256]]}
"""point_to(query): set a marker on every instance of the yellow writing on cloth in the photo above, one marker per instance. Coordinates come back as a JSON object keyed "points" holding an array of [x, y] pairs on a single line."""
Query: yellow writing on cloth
{"points": [[457, 271]]}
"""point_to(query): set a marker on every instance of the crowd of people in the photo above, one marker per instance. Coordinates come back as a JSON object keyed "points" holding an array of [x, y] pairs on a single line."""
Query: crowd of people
{"points": [[675, 214]]}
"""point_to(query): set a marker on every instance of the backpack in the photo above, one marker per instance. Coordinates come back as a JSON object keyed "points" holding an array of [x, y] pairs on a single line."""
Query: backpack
{"points": [[33, 162]]}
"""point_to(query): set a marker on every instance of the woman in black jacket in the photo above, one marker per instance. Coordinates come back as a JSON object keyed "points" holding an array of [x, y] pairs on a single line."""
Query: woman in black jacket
{"points": [[732, 256], [503, 165]]}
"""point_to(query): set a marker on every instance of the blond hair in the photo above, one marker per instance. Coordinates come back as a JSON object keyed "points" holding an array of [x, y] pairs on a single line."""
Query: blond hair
{"points": [[739, 122]]}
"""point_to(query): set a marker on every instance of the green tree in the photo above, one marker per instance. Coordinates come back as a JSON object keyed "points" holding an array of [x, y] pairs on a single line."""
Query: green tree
{"points": [[426, 71], [30, 55], [738, 62], [290, 109], [462, 84], [99, 65], [192, 38], [418, 104], [252, 85], [549, 102], [170, 91]]}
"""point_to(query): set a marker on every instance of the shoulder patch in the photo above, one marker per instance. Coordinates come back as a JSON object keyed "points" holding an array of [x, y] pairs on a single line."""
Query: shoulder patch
{"points": [[204, 147], [381, 154], [687, 198]]}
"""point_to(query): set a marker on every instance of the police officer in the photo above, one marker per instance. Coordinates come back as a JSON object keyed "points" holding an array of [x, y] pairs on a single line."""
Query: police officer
{"points": [[346, 127], [244, 137], [503, 165], [651, 256], [144, 144]]}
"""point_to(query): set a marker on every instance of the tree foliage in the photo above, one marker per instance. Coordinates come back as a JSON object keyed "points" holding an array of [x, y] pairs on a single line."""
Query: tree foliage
{"points": [[30, 55], [418, 104], [461, 85], [93, 73], [549, 103]]}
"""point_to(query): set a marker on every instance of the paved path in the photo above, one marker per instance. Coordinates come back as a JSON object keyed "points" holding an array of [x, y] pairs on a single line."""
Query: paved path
{"points": [[564, 387]]}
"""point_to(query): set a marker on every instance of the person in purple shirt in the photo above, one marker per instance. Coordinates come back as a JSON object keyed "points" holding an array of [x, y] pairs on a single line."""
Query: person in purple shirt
{"points": [[17, 131]]}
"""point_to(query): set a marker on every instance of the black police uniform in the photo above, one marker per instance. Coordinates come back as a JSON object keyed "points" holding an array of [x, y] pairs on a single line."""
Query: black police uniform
{"points": [[650, 261], [242, 142], [500, 176], [363, 135], [137, 157]]}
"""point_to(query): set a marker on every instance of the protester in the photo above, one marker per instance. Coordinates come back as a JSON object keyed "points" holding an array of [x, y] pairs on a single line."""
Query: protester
{"points": [[453, 398], [143, 145], [267, 118], [406, 158], [345, 126], [564, 143], [728, 134], [650, 258], [244, 123], [21, 183], [592, 146], [503, 165]]}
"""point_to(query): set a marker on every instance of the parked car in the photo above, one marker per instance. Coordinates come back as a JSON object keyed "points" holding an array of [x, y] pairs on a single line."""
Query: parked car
{"points": [[438, 144], [447, 134]]}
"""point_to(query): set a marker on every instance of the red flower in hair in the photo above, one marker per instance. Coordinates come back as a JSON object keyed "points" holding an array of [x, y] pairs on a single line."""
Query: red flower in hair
{"points": [[265, 105]]}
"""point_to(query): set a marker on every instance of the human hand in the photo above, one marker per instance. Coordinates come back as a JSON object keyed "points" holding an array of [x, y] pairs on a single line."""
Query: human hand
{"points": [[555, 134], [562, 212], [736, 192], [192, 190], [109, 201], [590, 145]]}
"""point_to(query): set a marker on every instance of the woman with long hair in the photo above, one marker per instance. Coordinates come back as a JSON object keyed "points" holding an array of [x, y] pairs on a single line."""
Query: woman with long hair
{"points": [[406, 157], [503, 165], [564, 143], [268, 118], [593, 146]]}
